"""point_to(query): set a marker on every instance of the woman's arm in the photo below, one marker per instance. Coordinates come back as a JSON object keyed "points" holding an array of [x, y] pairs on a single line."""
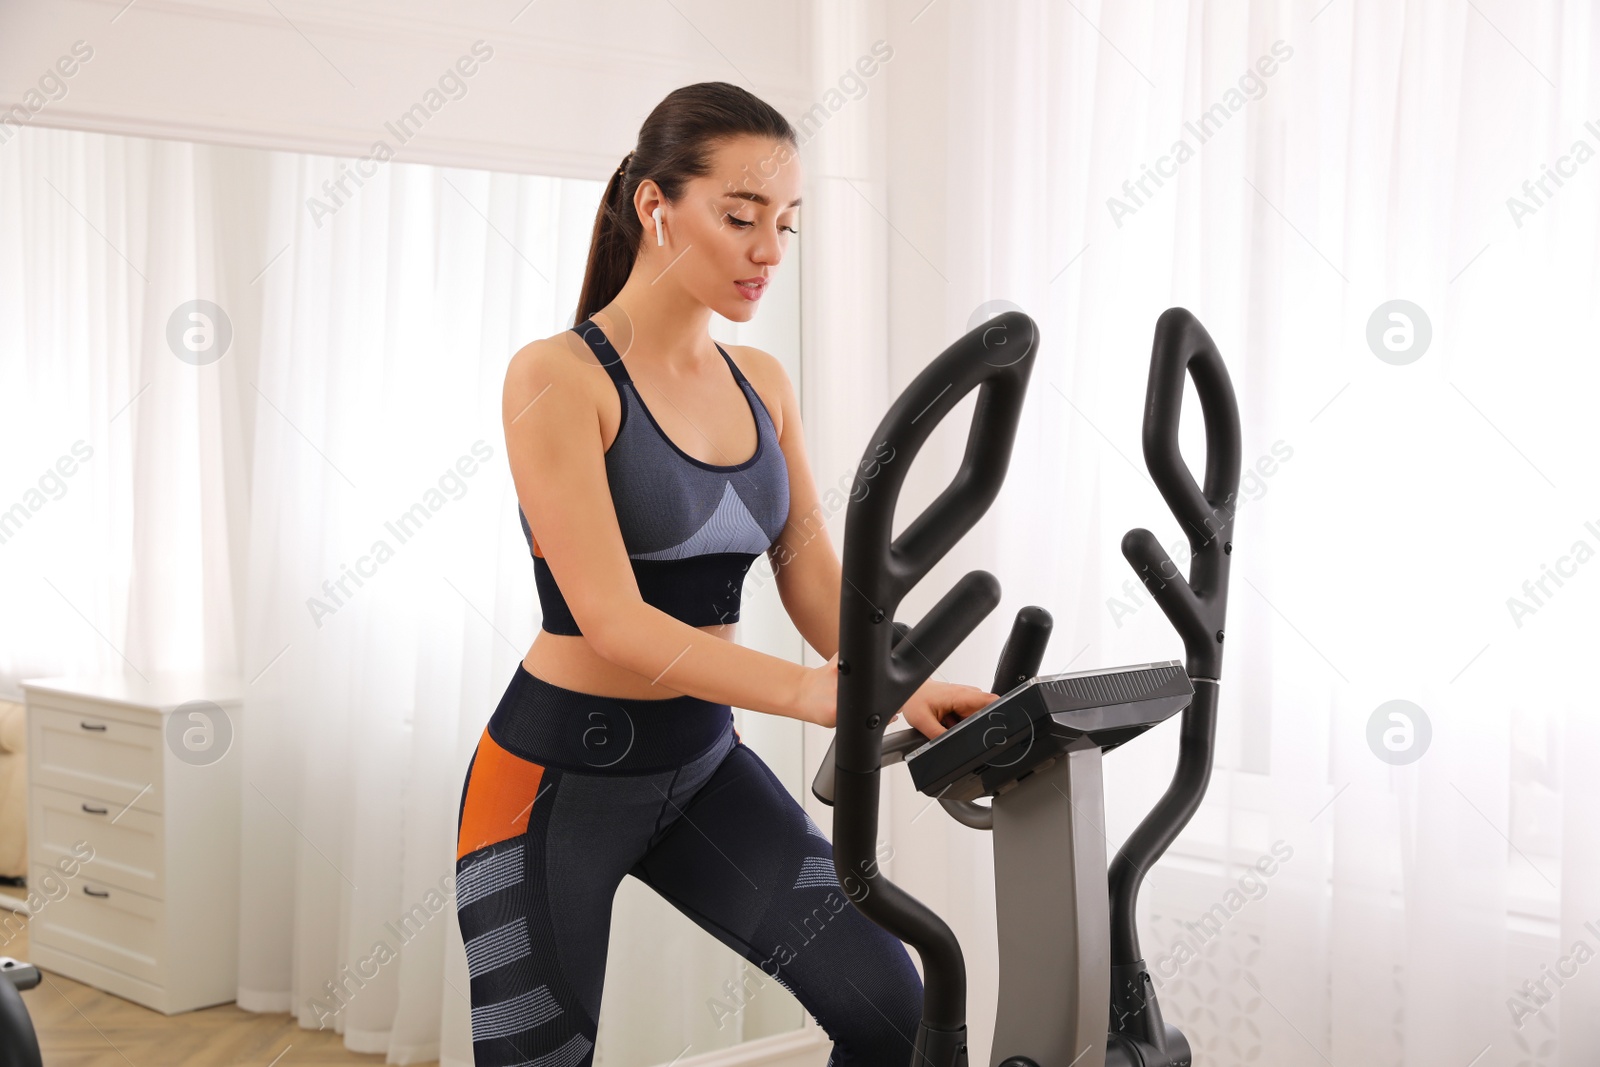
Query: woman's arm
{"points": [[804, 563], [809, 573], [554, 444]]}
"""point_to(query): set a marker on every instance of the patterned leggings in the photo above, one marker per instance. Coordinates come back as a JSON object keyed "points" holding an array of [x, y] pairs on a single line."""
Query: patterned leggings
{"points": [[568, 792]]}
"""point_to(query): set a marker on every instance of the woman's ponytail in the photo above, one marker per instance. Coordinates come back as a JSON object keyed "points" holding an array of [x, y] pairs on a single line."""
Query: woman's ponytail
{"points": [[610, 252]]}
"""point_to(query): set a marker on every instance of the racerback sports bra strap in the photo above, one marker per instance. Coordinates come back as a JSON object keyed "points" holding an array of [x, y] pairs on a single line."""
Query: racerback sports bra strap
{"points": [[601, 345]]}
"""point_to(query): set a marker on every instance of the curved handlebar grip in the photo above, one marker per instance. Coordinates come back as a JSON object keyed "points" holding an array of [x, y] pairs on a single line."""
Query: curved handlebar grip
{"points": [[1197, 607], [950, 622], [1182, 347], [822, 784], [876, 679], [1024, 650], [1163, 579]]}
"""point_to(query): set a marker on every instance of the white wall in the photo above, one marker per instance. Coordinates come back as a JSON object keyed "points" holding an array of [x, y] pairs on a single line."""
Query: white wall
{"points": [[561, 92]]}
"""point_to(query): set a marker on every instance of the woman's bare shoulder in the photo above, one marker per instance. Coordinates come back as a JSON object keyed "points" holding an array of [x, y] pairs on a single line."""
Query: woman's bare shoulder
{"points": [[553, 362]]}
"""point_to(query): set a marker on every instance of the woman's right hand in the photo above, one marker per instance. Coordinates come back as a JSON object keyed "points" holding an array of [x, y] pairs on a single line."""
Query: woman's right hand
{"points": [[818, 697]]}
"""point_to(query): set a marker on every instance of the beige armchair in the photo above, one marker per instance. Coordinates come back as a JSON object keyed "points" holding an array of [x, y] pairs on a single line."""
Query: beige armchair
{"points": [[13, 790]]}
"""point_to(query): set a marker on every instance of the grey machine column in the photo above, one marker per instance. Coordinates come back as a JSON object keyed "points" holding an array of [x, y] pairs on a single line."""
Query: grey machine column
{"points": [[1053, 914]]}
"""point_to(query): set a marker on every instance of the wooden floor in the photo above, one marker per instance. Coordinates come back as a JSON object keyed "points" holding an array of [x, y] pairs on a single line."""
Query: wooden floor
{"points": [[80, 1026]]}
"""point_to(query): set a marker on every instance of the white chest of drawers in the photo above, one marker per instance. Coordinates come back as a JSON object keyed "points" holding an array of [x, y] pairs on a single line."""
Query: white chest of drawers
{"points": [[133, 835]]}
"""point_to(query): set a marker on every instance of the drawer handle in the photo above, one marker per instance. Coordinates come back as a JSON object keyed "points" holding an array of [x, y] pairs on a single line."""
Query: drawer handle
{"points": [[96, 811], [96, 892], [97, 727]]}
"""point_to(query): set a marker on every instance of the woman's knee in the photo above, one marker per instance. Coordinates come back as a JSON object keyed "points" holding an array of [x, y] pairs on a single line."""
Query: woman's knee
{"points": [[874, 1015]]}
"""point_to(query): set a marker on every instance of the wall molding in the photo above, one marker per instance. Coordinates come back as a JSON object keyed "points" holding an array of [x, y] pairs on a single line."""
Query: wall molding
{"points": [[345, 142]]}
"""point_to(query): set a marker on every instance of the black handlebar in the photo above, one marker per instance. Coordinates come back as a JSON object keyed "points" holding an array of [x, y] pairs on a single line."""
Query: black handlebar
{"points": [[1197, 606], [890, 752], [878, 674]]}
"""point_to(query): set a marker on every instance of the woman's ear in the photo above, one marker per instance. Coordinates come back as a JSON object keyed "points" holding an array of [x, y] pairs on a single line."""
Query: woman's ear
{"points": [[648, 198]]}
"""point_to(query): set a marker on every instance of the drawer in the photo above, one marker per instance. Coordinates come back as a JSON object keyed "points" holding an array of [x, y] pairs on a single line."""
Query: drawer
{"points": [[127, 853], [99, 923], [105, 758]]}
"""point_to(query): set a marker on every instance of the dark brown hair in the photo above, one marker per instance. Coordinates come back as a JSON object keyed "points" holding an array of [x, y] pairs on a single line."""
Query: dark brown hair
{"points": [[675, 145]]}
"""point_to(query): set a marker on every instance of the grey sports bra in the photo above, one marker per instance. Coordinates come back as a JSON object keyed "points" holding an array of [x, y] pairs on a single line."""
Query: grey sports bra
{"points": [[692, 529]]}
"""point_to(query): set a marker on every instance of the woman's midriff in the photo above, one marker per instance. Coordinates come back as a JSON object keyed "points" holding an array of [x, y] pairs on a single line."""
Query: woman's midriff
{"points": [[568, 660]]}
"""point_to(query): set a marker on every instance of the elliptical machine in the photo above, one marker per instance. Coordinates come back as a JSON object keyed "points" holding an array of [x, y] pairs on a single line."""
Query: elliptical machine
{"points": [[1074, 989]]}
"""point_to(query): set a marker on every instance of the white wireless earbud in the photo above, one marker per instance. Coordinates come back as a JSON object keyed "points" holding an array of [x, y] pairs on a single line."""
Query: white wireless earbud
{"points": [[660, 237]]}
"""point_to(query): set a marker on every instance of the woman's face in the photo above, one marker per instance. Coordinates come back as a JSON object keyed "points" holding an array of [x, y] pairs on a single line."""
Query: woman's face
{"points": [[728, 233]]}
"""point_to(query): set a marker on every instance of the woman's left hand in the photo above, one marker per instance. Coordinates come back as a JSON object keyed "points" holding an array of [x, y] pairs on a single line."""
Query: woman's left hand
{"points": [[936, 706]]}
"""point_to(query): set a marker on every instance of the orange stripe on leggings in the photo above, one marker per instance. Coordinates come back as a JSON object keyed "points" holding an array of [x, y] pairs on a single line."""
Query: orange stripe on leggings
{"points": [[500, 795]]}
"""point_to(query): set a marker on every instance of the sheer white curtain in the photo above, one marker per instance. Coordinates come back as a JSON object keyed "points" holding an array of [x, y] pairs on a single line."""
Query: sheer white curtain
{"points": [[120, 458], [1355, 153], [383, 615]]}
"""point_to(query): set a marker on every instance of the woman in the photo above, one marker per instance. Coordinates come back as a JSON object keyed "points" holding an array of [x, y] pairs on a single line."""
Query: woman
{"points": [[613, 750]]}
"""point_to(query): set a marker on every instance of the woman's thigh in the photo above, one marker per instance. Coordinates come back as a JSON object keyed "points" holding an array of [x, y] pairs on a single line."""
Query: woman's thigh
{"points": [[743, 860], [542, 852]]}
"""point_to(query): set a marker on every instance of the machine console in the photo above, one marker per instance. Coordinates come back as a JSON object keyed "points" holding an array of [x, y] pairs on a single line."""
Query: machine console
{"points": [[1044, 717]]}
